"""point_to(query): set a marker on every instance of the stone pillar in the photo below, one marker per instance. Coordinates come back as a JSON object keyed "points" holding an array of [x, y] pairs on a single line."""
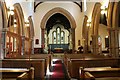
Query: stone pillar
{"points": [[95, 44], [43, 38], [114, 41], [73, 39], [85, 45], [32, 46], [4, 48], [23, 45], [85, 48], [117, 42]]}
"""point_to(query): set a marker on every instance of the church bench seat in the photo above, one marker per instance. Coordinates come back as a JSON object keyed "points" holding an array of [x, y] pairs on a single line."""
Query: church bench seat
{"points": [[99, 72], [17, 73], [38, 64], [36, 59], [74, 61]]}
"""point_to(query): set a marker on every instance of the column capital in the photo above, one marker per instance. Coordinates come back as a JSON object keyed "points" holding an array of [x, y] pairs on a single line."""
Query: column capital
{"points": [[112, 29], [5, 29]]}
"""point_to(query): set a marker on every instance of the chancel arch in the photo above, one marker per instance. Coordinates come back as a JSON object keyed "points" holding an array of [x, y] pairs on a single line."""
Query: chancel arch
{"points": [[70, 20]]}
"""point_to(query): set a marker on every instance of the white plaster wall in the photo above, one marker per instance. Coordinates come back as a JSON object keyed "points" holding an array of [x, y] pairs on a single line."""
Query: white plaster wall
{"points": [[88, 12], [103, 33]]}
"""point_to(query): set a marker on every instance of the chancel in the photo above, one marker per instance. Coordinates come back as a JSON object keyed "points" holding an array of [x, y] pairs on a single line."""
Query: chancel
{"points": [[59, 39]]}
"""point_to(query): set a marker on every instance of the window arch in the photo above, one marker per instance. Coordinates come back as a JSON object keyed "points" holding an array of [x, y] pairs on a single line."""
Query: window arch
{"points": [[62, 37], [54, 37], [58, 36]]}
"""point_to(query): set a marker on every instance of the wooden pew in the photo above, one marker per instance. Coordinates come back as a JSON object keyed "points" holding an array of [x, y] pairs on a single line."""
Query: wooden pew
{"points": [[99, 72], [47, 58], [74, 61], [39, 65], [39, 61], [17, 73]]}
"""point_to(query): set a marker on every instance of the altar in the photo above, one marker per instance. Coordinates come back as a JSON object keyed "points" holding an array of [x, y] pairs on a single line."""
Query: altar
{"points": [[58, 48]]}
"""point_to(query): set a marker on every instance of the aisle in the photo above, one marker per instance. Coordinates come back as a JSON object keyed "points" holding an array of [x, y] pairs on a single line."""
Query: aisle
{"points": [[58, 70]]}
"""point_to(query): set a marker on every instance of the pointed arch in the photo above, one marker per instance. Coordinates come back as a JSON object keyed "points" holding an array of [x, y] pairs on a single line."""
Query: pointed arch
{"points": [[95, 25], [95, 18], [18, 10], [31, 34], [109, 13], [94, 15], [21, 24], [67, 15], [115, 13], [84, 28], [58, 10], [31, 26], [85, 34]]}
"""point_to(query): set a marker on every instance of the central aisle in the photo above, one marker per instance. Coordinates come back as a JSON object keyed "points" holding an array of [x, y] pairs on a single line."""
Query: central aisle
{"points": [[57, 69]]}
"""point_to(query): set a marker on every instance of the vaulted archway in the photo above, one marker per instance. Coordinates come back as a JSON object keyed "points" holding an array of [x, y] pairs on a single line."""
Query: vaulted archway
{"points": [[61, 12]]}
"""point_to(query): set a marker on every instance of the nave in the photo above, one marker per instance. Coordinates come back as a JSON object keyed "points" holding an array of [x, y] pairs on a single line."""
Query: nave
{"points": [[62, 66], [59, 40]]}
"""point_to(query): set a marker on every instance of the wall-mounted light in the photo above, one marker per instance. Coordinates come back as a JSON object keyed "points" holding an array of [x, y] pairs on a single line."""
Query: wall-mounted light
{"points": [[15, 25], [10, 13], [15, 20], [104, 10], [88, 23], [106, 36], [27, 24], [10, 10]]}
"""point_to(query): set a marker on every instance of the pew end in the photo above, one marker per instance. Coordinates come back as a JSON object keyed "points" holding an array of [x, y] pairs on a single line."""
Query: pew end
{"points": [[99, 72], [17, 73], [23, 76]]}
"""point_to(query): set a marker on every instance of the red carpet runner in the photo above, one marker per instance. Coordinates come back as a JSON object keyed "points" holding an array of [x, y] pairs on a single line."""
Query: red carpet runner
{"points": [[58, 71]]}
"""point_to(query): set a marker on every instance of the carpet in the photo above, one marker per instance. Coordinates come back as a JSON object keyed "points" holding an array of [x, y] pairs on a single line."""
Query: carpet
{"points": [[58, 71]]}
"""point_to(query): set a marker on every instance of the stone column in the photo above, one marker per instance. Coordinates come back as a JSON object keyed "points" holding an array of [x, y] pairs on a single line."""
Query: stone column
{"points": [[4, 48], [73, 39], [117, 42], [95, 44], [86, 39], [114, 42], [43, 38], [32, 46], [23, 45]]}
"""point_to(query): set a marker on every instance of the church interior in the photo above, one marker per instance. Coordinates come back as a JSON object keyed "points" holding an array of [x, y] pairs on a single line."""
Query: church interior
{"points": [[59, 39]]}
